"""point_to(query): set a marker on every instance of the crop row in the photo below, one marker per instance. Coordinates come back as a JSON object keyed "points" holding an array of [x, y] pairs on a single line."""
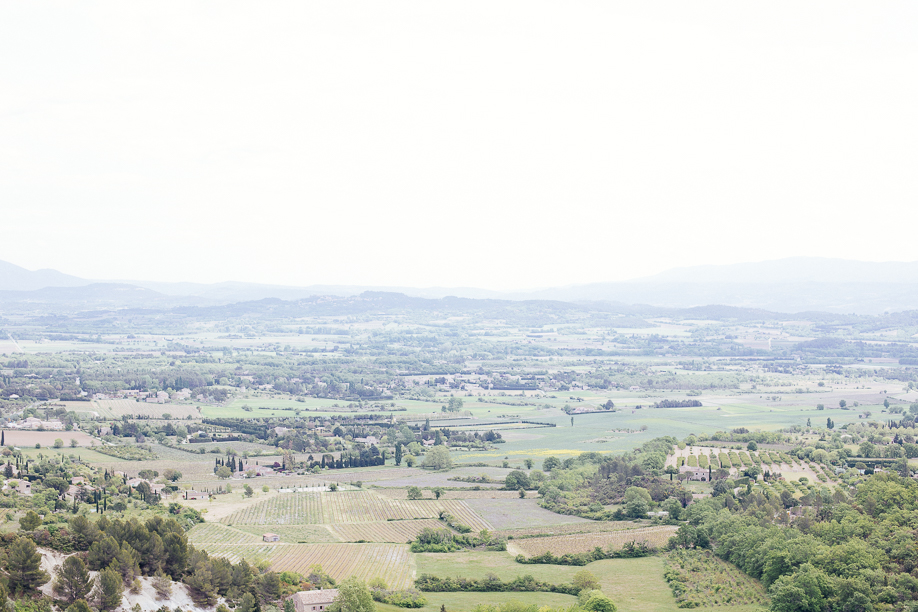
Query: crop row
{"points": [[391, 562], [388, 531], [348, 507], [655, 537], [215, 533]]}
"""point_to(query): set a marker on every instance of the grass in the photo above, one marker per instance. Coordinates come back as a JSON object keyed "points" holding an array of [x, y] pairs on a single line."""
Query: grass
{"points": [[635, 585]]}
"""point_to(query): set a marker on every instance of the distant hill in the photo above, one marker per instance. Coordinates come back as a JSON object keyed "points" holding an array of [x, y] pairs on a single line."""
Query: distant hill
{"points": [[15, 278], [794, 270], [796, 284]]}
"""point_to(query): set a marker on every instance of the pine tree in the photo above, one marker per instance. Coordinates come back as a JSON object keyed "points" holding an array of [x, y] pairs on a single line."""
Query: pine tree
{"points": [[73, 581], [110, 588], [24, 566]]}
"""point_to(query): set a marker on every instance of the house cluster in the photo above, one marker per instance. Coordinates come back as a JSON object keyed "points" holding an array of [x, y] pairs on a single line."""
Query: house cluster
{"points": [[34, 423], [368, 441], [152, 397], [695, 473], [258, 470]]}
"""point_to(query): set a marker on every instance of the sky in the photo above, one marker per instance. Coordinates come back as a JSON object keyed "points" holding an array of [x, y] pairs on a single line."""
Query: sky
{"points": [[501, 145]]}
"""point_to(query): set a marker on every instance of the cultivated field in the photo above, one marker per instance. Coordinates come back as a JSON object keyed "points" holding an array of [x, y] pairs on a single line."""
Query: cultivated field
{"points": [[391, 562], [348, 507], [463, 494], [216, 533], [118, 408], [559, 545], [572, 528], [518, 513], [15, 437], [388, 531]]}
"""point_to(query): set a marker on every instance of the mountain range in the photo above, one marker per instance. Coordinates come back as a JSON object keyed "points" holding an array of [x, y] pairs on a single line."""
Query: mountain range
{"points": [[785, 285]]}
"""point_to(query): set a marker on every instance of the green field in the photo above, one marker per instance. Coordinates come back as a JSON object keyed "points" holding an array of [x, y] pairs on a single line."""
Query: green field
{"points": [[618, 577]]}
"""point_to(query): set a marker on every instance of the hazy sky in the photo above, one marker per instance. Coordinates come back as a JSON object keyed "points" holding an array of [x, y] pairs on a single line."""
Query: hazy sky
{"points": [[490, 144]]}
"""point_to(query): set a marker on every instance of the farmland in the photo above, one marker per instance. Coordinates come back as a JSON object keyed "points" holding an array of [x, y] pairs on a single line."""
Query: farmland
{"points": [[389, 531], [655, 537], [117, 408], [391, 562], [589, 390], [509, 513], [348, 507], [15, 437]]}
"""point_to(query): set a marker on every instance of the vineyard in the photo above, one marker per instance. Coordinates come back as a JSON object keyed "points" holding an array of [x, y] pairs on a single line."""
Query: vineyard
{"points": [[654, 537], [569, 529], [210, 533], [348, 507], [388, 531], [391, 562], [699, 579], [293, 534]]}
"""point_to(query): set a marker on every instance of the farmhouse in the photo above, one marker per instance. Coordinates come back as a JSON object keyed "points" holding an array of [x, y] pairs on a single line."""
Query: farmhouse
{"points": [[195, 495], [695, 473], [270, 537], [309, 601], [24, 487]]}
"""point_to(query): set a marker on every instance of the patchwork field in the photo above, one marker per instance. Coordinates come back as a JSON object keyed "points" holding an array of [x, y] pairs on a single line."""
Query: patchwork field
{"points": [[655, 537], [117, 408], [391, 562], [388, 531], [348, 507], [16, 437], [509, 513]]}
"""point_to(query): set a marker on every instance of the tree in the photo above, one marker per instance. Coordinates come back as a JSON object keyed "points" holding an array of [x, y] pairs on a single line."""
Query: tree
{"points": [[438, 458], [110, 588], [752, 446], [58, 443], [79, 605], [753, 472], [516, 479], [172, 475], [30, 521], [247, 604], [438, 492], [803, 591], [528, 463], [162, 584], [24, 567], [637, 502], [595, 600], [670, 469], [224, 472], [585, 580], [415, 493], [398, 453], [409, 460], [830, 424], [842, 404], [248, 490], [73, 581], [74, 444], [353, 596], [551, 463]]}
